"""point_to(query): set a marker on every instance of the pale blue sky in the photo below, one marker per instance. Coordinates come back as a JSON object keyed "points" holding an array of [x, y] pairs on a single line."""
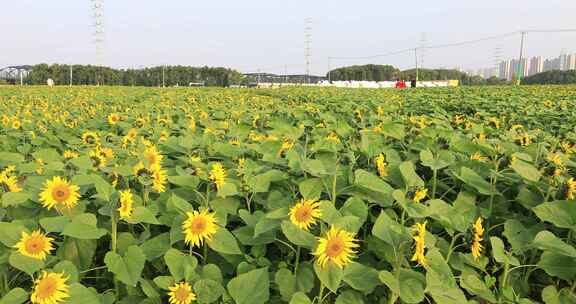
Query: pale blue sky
{"points": [[256, 34]]}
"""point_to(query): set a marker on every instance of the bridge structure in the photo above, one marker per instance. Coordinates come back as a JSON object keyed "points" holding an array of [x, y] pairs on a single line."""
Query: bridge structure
{"points": [[15, 74]]}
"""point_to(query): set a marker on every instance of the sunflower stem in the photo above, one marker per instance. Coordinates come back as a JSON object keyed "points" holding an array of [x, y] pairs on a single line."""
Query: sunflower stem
{"points": [[207, 196], [297, 260], [434, 182], [321, 293], [146, 195]]}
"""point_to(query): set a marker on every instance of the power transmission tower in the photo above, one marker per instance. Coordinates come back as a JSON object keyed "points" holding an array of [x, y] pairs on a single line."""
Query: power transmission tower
{"points": [[520, 69], [423, 42], [99, 38], [307, 43]]}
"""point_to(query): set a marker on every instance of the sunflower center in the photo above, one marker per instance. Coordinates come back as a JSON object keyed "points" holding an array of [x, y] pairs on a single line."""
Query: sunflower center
{"points": [[303, 214], [198, 225], [34, 246], [151, 158], [334, 248], [181, 294], [60, 193], [46, 288]]}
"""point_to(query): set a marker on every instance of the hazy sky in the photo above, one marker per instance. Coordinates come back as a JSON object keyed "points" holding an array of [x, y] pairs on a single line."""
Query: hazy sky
{"points": [[256, 34]]}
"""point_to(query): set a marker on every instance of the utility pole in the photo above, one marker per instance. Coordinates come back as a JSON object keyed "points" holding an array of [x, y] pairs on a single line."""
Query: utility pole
{"points": [[70, 75], [307, 42], [519, 77], [416, 62], [163, 76]]}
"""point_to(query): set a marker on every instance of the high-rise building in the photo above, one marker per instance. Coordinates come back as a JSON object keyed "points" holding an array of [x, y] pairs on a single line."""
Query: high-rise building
{"points": [[552, 64], [504, 70], [536, 65], [571, 62]]}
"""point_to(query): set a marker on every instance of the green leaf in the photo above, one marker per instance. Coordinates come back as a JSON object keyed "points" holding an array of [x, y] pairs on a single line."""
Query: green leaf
{"points": [[286, 282], [127, 268], [300, 298], [15, 296], [175, 260], [547, 241], [10, 233], [54, 224], [551, 296], [560, 213], [164, 282], [224, 242], [360, 277], [188, 181], [471, 178], [298, 236], [208, 291], [330, 275], [371, 182], [156, 246], [349, 297], [329, 212], [69, 269], [526, 170], [558, 265], [440, 282], [79, 252], [82, 295], [252, 287], [24, 263], [179, 203], [228, 189], [355, 207], [142, 214], [390, 231], [475, 286], [12, 199], [83, 226], [499, 254], [409, 285], [411, 179], [394, 130], [311, 188], [443, 159]]}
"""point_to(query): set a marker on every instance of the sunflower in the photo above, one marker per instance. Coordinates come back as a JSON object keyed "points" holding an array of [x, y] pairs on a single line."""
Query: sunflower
{"points": [[97, 158], [337, 246], [477, 242], [35, 245], [50, 288], [58, 192], [181, 293], [218, 175], [333, 137], [90, 138], [199, 226], [381, 165], [570, 189], [305, 213], [164, 136], [420, 195], [70, 154], [477, 156], [16, 124], [152, 156], [9, 183], [158, 178], [113, 118], [420, 244], [286, 145], [126, 204]]}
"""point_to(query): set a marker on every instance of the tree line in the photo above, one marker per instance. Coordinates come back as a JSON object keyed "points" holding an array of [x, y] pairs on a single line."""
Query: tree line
{"points": [[153, 76], [373, 72], [551, 77]]}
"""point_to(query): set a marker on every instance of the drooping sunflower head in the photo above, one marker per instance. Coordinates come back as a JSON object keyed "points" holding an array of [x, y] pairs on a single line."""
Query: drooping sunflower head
{"points": [[98, 159], [90, 138], [113, 118], [218, 175], [158, 178], [420, 194], [381, 165], [181, 293], [199, 227], [35, 245], [420, 244], [9, 183], [305, 213], [570, 189], [337, 247], [477, 241], [126, 204], [59, 193], [50, 288]]}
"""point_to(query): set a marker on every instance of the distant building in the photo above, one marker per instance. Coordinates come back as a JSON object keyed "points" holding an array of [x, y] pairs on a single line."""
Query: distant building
{"points": [[552, 64], [536, 65], [571, 62]]}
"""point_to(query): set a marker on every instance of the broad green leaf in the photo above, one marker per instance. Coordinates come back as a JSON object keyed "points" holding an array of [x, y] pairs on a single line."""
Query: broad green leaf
{"points": [[208, 291], [79, 294], [560, 213], [411, 179], [156, 246], [443, 159], [224, 242], [175, 260], [142, 214], [15, 296], [330, 275], [10, 233], [127, 268], [300, 298], [83, 227], [471, 178], [311, 188], [298, 236], [371, 182], [24, 263], [54, 224], [13, 199], [547, 241], [558, 265], [390, 231], [252, 287], [360, 277], [500, 254], [475, 286], [526, 170], [286, 282], [349, 297]]}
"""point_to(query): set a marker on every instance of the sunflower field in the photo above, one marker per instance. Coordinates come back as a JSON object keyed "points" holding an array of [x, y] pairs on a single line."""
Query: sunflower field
{"points": [[293, 195]]}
